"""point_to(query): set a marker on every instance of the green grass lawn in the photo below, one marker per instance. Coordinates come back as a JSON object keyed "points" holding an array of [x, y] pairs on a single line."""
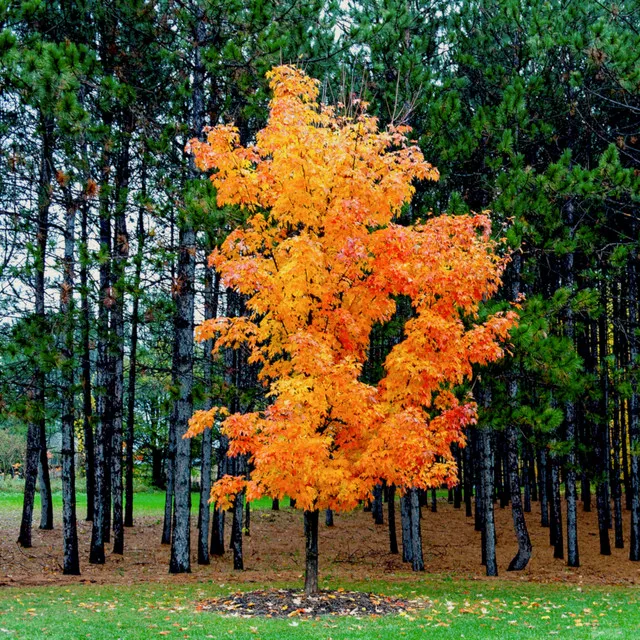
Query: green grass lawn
{"points": [[144, 502], [459, 609]]}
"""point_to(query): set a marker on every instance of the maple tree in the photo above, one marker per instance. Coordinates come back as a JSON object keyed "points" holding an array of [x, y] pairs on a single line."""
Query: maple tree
{"points": [[321, 261]]}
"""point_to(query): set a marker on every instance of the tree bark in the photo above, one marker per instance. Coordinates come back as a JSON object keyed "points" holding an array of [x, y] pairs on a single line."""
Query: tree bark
{"points": [[71, 562], [489, 530], [521, 559], [211, 286], [405, 521], [391, 514], [417, 561], [377, 510], [236, 532], [133, 352], [311, 556]]}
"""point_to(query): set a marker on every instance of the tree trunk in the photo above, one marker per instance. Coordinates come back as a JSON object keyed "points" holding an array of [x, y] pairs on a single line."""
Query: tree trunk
{"points": [[391, 514], [417, 561], [275, 505], [217, 530], [543, 470], [121, 247], [103, 378], [169, 491], [211, 286], [556, 510], [377, 510], [30, 478], [71, 562], [328, 517], [489, 530], [133, 353], [405, 521], [634, 410], [183, 336], [311, 556], [236, 532], [521, 559], [85, 328]]}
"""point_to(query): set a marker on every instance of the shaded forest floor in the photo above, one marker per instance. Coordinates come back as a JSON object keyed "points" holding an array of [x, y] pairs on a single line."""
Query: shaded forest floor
{"points": [[353, 550]]}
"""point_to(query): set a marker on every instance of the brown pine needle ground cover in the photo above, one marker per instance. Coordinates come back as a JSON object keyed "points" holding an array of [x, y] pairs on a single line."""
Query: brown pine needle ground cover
{"points": [[355, 550]]}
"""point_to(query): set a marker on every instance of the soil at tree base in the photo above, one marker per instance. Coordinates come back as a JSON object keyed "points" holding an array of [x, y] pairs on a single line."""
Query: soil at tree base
{"points": [[355, 549]]}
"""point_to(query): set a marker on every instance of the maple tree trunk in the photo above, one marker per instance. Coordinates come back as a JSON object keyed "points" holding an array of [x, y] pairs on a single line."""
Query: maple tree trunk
{"points": [[391, 514], [405, 521], [434, 500], [311, 556], [275, 505]]}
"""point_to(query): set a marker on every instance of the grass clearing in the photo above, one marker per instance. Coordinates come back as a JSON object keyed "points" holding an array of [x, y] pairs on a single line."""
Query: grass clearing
{"points": [[459, 609]]}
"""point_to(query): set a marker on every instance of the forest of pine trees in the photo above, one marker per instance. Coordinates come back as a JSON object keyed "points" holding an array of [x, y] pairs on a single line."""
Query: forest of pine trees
{"points": [[529, 110]]}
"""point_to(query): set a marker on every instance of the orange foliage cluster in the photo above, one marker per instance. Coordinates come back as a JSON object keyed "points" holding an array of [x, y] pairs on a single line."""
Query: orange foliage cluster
{"points": [[320, 261]]}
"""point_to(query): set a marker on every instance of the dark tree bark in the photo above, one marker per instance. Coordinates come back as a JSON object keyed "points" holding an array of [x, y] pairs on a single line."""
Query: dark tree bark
{"points": [[634, 409], [101, 519], [211, 286], [85, 329], [121, 253], [557, 539], [38, 391], [543, 469], [217, 529], [30, 477], [133, 353], [236, 532], [183, 336], [434, 500], [405, 521], [489, 530], [71, 562], [599, 347], [328, 517], [573, 554], [521, 559], [391, 514], [311, 556], [417, 561], [275, 505], [457, 490], [377, 509], [169, 491], [468, 476]]}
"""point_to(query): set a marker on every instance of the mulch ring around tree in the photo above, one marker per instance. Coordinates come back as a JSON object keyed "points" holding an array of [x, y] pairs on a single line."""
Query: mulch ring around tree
{"points": [[287, 603]]}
